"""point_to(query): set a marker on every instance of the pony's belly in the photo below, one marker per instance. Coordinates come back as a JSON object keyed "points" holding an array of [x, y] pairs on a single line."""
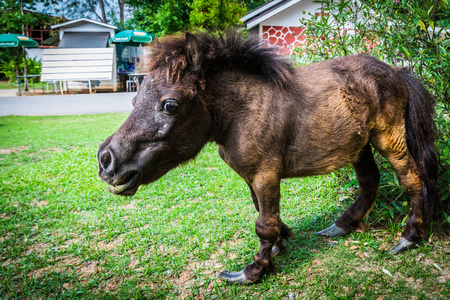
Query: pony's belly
{"points": [[321, 168], [317, 162]]}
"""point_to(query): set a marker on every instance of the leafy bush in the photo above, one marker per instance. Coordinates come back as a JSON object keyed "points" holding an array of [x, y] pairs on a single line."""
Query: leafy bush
{"points": [[212, 15], [398, 32], [408, 33], [8, 68], [168, 17]]}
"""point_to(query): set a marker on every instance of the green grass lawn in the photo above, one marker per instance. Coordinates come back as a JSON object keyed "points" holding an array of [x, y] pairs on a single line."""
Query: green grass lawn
{"points": [[6, 85], [63, 235]]}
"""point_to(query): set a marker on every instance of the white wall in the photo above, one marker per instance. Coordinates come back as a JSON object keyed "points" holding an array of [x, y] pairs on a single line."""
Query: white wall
{"points": [[85, 27], [35, 53], [292, 15]]}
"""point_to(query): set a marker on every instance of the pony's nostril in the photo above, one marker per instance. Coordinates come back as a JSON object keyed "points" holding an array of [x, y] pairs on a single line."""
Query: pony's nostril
{"points": [[105, 159]]}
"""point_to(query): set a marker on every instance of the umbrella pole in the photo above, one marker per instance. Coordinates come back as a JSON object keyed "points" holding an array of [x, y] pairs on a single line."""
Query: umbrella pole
{"points": [[25, 69]]}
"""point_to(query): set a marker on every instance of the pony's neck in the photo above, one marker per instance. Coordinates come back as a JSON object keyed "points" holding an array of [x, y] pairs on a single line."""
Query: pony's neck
{"points": [[228, 94]]}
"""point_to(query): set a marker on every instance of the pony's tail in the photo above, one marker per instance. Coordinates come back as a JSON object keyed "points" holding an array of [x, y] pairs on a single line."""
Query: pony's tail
{"points": [[420, 136]]}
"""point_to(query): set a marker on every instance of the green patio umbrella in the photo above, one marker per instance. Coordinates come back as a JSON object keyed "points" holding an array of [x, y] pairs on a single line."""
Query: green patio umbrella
{"points": [[16, 40], [131, 38], [11, 40]]}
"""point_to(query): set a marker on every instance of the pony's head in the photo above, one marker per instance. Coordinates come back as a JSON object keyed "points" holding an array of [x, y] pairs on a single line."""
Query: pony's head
{"points": [[168, 125]]}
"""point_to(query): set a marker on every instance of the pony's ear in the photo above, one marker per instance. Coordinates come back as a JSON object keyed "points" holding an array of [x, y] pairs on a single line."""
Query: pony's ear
{"points": [[193, 52]]}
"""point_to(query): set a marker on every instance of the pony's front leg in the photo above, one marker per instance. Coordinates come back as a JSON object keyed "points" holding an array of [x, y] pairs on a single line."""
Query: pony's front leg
{"points": [[268, 227], [285, 231]]}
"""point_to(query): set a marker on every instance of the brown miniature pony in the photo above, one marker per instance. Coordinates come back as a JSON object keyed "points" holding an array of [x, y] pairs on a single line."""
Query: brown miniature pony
{"points": [[271, 121]]}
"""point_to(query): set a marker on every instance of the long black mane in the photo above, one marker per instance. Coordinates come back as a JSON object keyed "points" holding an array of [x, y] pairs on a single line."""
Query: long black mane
{"points": [[232, 51]]}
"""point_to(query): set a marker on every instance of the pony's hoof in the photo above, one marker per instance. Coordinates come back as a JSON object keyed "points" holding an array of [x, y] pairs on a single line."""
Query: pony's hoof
{"points": [[333, 230], [402, 245], [235, 277]]}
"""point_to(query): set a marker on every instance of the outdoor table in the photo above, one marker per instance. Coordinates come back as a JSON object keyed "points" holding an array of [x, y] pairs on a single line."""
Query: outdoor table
{"points": [[26, 78], [136, 78]]}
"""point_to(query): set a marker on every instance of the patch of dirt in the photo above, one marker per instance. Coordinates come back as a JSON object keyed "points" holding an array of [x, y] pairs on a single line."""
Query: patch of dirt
{"points": [[54, 149], [83, 270], [39, 203], [36, 248], [66, 264], [67, 286], [4, 216], [68, 243], [411, 282], [13, 150], [9, 262], [184, 278], [101, 245], [88, 269], [444, 278], [73, 238], [186, 281], [112, 284], [133, 264], [200, 274], [110, 245], [316, 262], [130, 205]]}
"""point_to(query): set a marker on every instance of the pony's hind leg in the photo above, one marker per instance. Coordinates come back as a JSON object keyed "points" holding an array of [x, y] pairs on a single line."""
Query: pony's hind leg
{"points": [[394, 148], [368, 178]]}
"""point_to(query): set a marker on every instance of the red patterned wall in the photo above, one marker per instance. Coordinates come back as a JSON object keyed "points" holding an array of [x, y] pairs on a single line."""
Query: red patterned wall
{"points": [[286, 38]]}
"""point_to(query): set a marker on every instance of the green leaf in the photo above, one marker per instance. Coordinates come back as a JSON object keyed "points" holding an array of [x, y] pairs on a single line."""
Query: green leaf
{"points": [[445, 196], [404, 219], [421, 24]]}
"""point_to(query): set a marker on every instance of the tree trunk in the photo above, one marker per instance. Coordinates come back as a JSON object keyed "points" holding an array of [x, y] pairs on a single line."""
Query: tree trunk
{"points": [[25, 65], [121, 12], [25, 70], [16, 66], [102, 7]]}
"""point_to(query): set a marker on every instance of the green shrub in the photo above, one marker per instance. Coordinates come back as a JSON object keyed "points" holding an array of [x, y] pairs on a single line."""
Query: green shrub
{"points": [[413, 33], [8, 68]]}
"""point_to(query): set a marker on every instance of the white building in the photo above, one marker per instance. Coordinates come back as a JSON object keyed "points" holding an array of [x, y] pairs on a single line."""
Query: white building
{"points": [[84, 59], [277, 22]]}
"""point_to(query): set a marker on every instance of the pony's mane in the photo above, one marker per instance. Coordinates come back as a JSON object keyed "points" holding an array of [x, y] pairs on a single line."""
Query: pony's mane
{"points": [[219, 52]]}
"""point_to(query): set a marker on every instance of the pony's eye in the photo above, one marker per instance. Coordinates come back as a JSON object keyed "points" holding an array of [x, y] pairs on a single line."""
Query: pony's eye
{"points": [[170, 106]]}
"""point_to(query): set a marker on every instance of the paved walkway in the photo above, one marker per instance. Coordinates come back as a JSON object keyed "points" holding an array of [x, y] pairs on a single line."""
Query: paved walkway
{"points": [[44, 105]]}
